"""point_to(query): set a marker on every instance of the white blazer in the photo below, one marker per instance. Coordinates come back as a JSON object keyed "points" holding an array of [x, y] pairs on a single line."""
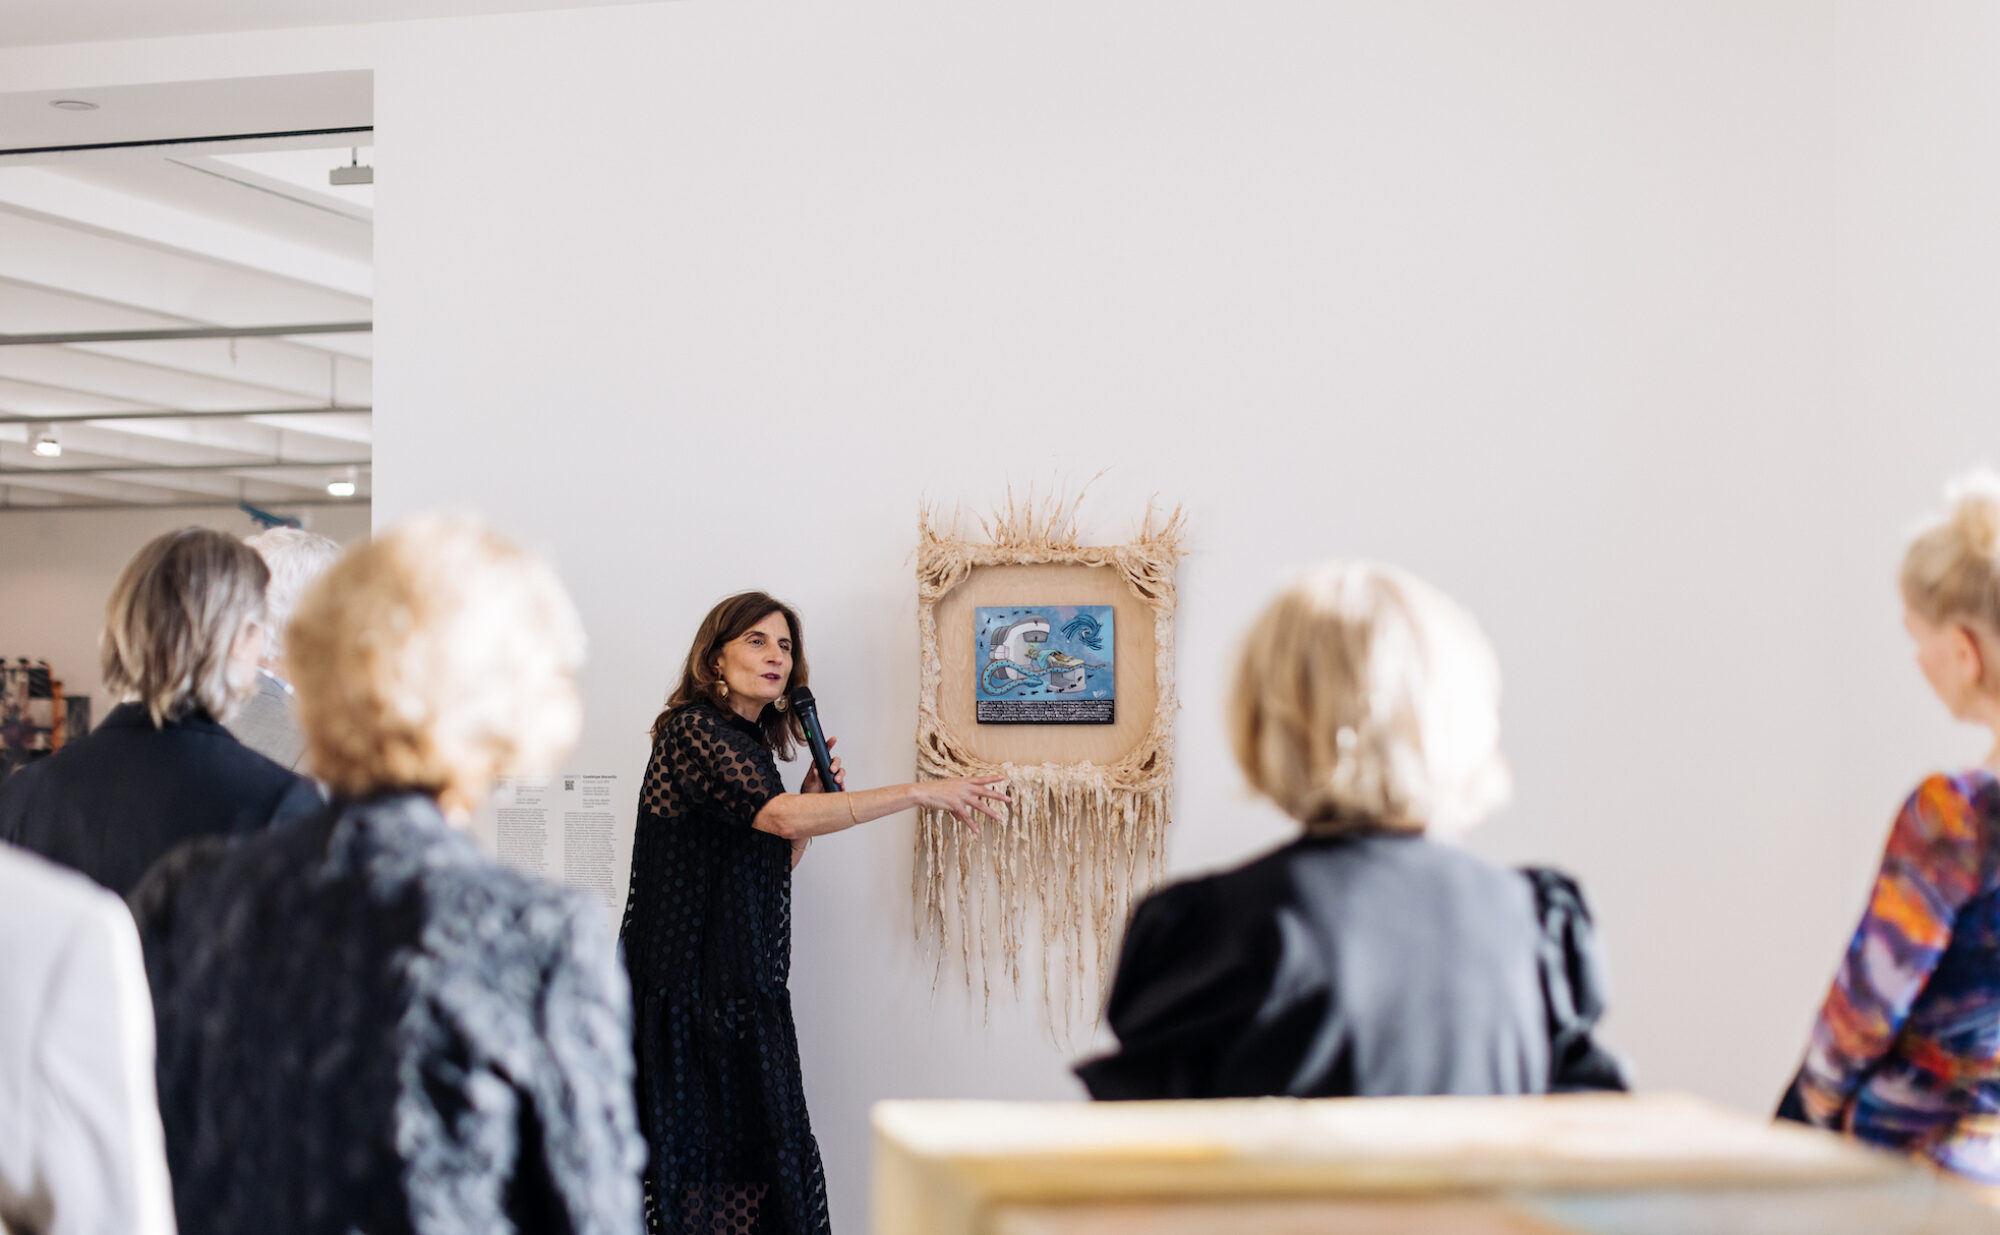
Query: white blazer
{"points": [[80, 1145]]}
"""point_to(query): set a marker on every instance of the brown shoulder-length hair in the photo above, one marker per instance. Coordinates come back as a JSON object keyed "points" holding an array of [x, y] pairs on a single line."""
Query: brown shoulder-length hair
{"points": [[727, 621]]}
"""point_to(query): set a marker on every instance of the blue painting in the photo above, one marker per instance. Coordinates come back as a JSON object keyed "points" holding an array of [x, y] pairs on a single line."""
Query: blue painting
{"points": [[1044, 665]]}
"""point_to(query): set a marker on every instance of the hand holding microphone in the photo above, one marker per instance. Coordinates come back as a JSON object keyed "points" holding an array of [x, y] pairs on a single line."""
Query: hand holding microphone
{"points": [[827, 775], [812, 784], [963, 798]]}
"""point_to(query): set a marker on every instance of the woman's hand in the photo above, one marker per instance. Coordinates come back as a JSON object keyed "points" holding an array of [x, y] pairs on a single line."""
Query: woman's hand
{"points": [[811, 783], [959, 798], [799, 848]]}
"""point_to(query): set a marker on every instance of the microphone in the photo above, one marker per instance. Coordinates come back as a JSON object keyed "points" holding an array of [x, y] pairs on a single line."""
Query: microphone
{"points": [[808, 713]]}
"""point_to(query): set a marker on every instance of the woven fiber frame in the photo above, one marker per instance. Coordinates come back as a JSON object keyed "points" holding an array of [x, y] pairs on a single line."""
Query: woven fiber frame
{"points": [[1080, 839]]}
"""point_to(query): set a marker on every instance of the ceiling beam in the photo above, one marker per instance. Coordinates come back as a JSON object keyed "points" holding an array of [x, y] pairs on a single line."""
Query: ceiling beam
{"points": [[171, 487], [27, 307], [249, 465], [189, 332], [84, 447], [344, 409], [125, 252], [283, 503], [126, 211], [158, 381], [352, 133], [151, 440]]}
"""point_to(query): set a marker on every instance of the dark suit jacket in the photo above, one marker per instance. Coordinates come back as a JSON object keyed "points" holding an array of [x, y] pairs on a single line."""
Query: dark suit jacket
{"points": [[113, 802], [269, 724], [1368, 965]]}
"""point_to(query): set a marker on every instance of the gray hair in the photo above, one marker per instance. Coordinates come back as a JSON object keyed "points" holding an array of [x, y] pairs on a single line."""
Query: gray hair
{"points": [[296, 559], [173, 619]]}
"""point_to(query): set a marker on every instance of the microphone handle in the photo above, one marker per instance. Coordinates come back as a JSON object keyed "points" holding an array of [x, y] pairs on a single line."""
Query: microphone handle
{"points": [[809, 719]]}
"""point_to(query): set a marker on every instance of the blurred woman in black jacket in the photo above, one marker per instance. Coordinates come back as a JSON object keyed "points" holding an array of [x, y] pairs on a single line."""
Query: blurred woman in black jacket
{"points": [[1366, 958], [183, 632]]}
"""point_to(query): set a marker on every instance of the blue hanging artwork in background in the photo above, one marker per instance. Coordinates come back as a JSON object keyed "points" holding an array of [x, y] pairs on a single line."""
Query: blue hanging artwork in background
{"points": [[1044, 665]]}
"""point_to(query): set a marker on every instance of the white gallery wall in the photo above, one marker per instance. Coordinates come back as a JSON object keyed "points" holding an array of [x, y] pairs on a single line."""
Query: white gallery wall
{"points": [[57, 569], [1644, 329]]}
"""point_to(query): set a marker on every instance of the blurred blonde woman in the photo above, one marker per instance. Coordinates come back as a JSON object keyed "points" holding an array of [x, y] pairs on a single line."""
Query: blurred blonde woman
{"points": [[1370, 956], [183, 632], [364, 1023], [1906, 1050]]}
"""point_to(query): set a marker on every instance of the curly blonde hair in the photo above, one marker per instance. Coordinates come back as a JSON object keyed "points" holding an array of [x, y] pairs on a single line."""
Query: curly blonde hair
{"points": [[1366, 700], [435, 659]]}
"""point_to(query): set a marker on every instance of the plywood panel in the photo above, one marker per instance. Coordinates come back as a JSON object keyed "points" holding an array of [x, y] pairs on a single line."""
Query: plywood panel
{"points": [[1441, 1216], [1651, 1164], [1913, 1203], [1136, 651]]}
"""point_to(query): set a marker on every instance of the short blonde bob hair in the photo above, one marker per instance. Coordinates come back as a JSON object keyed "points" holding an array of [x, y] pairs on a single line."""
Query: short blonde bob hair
{"points": [[1366, 700], [173, 619], [435, 659], [1951, 571]]}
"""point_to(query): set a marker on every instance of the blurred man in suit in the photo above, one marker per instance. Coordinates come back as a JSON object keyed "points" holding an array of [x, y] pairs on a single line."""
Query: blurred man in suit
{"points": [[268, 723]]}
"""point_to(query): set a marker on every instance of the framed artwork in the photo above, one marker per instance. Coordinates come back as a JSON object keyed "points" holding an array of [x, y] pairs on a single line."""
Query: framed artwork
{"points": [[1045, 664], [1051, 662]]}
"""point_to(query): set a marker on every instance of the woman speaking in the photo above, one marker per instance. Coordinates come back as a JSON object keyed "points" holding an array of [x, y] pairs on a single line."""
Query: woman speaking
{"points": [[707, 930]]}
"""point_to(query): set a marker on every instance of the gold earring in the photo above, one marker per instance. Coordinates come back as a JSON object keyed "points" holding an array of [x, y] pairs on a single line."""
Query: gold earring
{"points": [[781, 703], [721, 689]]}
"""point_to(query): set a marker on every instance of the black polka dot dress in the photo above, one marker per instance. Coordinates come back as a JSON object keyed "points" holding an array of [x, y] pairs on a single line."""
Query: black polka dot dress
{"points": [[708, 943]]}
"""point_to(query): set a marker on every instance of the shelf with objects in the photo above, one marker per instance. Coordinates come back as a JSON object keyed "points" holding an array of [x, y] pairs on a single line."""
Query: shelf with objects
{"points": [[37, 716]]}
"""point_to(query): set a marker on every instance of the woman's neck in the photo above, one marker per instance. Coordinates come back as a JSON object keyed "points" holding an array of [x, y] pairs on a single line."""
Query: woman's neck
{"points": [[749, 709]]}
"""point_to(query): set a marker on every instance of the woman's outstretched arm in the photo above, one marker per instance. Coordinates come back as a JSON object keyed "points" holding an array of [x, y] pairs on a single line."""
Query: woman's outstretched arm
{"points": [[811, 812]]}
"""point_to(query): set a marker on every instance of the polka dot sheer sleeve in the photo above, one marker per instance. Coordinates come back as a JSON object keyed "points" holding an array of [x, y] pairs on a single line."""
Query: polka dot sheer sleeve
{"points": [[710, 766]]}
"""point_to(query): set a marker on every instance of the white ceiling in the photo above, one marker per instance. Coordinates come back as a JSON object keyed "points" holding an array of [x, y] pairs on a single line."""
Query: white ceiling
{"points": [[182, 110], [32, 22], [211, 234]]}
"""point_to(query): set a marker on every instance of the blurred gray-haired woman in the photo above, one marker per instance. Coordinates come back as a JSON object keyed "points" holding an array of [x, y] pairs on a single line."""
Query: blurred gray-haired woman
{"points": [[1369, 958]]}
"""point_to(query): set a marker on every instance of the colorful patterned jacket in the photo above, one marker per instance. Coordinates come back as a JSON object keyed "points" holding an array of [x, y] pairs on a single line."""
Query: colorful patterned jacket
{"points": [[1906, 1051]]}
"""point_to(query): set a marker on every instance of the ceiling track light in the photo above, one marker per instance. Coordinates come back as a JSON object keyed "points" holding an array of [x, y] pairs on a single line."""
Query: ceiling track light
{"points": [[43, 442], [343, 485], [353, 173], [72, 105]]}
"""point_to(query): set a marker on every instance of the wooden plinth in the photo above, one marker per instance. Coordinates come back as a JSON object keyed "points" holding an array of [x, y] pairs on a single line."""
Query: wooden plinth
{"points": [[1583, 1165]]}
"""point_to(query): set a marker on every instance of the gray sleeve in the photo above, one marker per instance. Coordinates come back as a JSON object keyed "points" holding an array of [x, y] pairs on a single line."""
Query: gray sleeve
{"points": [[581, 1101]]}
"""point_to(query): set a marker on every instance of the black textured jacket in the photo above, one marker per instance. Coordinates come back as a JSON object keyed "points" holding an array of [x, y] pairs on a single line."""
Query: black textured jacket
{"points": [[365, 1025], [114, 801], [1370, 965]]}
